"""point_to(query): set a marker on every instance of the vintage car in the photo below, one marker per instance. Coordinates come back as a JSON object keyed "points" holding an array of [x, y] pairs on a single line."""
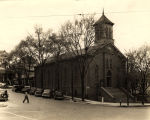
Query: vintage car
{"points": [[47, 93], [26, 89], [58, 95], [32, 90], [38, 92], [17, 88], [3, 95], [3, 85]]}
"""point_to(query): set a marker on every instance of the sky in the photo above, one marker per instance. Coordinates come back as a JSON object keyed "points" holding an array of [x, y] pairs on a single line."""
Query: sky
{"points": [[18, 18]]}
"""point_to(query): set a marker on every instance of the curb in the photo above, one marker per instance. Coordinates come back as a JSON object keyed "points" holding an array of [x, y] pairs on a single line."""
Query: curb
{"points": [[107, 104]]}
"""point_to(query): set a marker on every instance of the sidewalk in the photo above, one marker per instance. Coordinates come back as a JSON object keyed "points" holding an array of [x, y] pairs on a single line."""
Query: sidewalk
{"points": [[118, 104], [111, 104]]}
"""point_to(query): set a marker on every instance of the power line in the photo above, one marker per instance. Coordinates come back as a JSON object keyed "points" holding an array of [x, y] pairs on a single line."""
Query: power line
{"points": [[121, 12], [63, 15]]}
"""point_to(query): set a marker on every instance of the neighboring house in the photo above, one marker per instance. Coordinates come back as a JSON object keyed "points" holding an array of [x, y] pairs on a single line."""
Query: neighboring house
{"points": [[107, 70], [2, 74], [3, 55], [27, 78]]}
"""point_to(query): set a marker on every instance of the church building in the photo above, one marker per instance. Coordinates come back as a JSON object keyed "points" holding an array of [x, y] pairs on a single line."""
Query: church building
{"points": [[106, 73]]}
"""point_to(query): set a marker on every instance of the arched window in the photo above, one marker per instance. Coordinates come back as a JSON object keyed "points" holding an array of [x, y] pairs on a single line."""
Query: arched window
{"points": [[107, 63], [109, 78], [109, 73], [110, 63], [96, 73]]}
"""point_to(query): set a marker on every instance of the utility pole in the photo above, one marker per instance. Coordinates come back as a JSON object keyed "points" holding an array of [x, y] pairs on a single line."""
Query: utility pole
{"points": [[127, 83]]}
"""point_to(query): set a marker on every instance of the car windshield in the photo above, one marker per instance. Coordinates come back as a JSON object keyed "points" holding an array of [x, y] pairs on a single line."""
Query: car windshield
{"points": [[39, 89], [47, 90], [59, 93], [27, 86]]}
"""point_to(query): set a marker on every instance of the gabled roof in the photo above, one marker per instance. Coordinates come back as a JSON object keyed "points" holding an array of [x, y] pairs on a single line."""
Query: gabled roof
{"points": [[118, 51], [104, 19], [103, 46], [93, 50]]}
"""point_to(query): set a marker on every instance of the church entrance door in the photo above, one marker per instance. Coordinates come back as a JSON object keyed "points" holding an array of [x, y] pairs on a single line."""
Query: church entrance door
{"points": [[109, 77]]}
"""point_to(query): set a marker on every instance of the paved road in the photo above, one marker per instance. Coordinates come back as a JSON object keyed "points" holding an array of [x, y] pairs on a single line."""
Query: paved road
{"points": [[49, 109]]}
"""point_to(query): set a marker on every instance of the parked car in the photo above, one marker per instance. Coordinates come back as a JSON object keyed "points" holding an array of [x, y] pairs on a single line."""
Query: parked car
{"points": [[3, 95], [3, 85], [38, 92], [32, 90], [26, 89], [47, 93], [58, 95], [17, 88]]}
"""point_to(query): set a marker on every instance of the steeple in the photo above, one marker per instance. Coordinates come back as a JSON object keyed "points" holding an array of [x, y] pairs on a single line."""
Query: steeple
{"points": [[103, 19], [103, 12], [103, 30]]}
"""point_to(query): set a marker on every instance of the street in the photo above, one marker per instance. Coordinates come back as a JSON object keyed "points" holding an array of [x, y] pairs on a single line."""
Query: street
{"points": [[49, 109]]}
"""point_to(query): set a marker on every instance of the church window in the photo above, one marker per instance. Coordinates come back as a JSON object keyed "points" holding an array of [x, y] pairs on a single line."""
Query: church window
{"points": [[109, 78], [110, 63], [107, 66]]}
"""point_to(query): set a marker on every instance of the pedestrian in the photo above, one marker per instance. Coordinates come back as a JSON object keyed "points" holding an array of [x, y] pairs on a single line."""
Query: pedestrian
{"points": [[6, 94], [26, 97], [120, 102]]}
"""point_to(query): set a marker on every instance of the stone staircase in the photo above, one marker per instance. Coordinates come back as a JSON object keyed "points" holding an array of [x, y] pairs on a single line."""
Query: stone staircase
{"points": [[117, 94]]}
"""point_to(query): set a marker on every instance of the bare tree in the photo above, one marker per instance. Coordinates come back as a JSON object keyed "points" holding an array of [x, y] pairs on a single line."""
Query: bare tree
{"points": [[21, 59], [132, 71], [57, 50], [140, 64], [14, 61], [4, 63], [78, 38], [26, 57], [40, 45], [34, 50]]}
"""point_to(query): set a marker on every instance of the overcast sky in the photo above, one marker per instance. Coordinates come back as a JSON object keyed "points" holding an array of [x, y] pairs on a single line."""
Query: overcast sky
{"points": [[18, 18]]}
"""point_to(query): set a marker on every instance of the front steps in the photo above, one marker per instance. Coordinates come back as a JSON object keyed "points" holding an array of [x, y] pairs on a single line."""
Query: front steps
{"points": [[114, 95]]}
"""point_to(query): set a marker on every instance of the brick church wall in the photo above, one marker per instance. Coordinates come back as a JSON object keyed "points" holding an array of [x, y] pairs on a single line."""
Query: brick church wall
{"points": [[93, 78]]}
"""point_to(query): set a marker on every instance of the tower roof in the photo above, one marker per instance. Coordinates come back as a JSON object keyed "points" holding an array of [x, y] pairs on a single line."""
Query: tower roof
{"points": [[103, 19]]}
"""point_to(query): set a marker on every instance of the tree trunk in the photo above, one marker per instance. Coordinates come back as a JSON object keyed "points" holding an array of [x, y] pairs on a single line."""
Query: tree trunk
{"points": [[143, 97], [143, 90], [72, 83], [128, 98], [82, 85], [142, 100]]}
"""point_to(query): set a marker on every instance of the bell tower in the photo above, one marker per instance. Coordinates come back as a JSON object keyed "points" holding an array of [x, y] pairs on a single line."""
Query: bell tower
{"points": [[103, 30]]}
